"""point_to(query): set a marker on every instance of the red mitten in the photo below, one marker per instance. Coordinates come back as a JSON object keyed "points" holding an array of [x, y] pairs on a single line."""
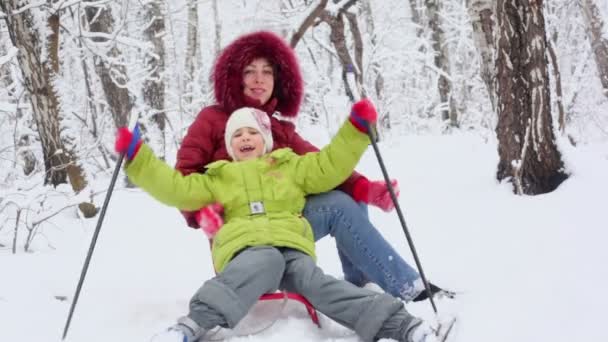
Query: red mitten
{"points": [[127, 142], [375, 193], [210, 219], [363, 114]]}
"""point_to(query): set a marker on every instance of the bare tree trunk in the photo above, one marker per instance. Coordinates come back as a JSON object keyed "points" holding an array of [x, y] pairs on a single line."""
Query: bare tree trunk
{"points": [[154, 85], [218, 28], [14, 250], [375, 66], [36, 72], [358, 52], [74, 171], [25, 153], [308, 22], [558, 87], [598, 39], [192, 49], [6, 79], [338, 39], [375, 70], [442, 63], [416, 17], [481, 13], [117, 96], [527, 150], [59, 162]]}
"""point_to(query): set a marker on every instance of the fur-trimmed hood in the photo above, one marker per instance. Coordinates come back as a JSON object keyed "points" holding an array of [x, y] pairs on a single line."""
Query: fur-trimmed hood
{"points": [[228, 73]]}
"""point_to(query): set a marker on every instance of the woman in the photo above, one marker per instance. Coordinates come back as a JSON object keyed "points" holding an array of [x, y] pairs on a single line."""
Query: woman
{"points": [[260, 70]]}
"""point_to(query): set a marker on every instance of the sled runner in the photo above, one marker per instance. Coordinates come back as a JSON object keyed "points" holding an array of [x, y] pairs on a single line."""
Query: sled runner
{"points": [[262, 316]]}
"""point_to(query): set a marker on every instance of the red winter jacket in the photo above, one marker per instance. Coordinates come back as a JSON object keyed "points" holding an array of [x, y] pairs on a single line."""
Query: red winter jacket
{"points": [[204, 141]]}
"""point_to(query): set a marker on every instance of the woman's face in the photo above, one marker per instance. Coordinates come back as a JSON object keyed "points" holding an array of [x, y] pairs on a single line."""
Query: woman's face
{"points": [[258, 80], [247, 143]]}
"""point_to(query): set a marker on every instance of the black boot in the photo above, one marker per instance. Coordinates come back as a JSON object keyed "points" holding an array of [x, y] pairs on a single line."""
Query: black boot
{"points": [[434, 290]]}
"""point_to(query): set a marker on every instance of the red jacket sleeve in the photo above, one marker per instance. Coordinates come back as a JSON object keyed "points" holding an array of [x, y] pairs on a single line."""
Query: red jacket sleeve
{"points": [[196, 150], [301, 146]]}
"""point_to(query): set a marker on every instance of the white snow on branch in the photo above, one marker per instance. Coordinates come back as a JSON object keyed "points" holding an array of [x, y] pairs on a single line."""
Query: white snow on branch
{"points": [[121, 39], [28, 7], [12, 52], [334, 8], [8, 107]]}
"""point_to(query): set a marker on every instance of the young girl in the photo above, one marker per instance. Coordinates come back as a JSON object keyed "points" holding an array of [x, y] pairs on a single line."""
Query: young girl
{"points": [[265, 243]]}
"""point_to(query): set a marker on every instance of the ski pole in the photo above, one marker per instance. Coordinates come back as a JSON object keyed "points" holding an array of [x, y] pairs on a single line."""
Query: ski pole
{"points": [[102, 214], [372, 133], [85, 267]]}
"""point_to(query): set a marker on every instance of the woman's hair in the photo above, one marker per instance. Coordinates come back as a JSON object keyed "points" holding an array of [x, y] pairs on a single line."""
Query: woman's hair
{"points": [[227, 74]]}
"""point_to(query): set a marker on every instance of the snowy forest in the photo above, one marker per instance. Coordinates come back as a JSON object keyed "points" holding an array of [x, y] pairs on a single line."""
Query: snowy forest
{"points": [[527, 78], [74, 71]]}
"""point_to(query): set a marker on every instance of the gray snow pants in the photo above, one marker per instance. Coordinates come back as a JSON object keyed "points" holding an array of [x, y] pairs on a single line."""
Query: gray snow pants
{"points": [[225, 299]]}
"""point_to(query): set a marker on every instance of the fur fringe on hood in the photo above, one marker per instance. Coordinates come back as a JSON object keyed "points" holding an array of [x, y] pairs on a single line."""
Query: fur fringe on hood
{"points": [[228, 72]]}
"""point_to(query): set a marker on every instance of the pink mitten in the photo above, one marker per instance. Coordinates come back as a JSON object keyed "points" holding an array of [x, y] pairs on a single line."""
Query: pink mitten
{"points": [[210, 219], [375, 193], [128, 142], [363, 114]]}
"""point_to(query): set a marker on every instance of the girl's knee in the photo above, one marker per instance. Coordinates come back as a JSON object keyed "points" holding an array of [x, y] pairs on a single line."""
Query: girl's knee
{"points": [[270, 261]]}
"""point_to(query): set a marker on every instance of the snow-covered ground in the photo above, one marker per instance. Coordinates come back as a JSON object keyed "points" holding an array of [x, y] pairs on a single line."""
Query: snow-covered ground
{"points": [[527, 269]]}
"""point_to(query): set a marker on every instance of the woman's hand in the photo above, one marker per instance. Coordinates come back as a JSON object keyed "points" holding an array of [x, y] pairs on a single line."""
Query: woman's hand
{"points": [[375, 193]]}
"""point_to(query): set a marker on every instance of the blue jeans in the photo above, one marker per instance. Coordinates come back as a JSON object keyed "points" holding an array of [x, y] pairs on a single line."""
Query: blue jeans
{"points": [[364, 253]]}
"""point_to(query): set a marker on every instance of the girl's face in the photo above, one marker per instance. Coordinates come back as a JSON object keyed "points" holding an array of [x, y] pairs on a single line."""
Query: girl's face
{"points": [[258, 80], [247, 143]]}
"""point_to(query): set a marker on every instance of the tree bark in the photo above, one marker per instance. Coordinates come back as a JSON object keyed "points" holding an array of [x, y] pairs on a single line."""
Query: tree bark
{"points": [[192, 49], [154, 85], [36, 78], [416, 17], [113, 77], [38, 71], [481, 13], [375, 66], [25, 153], [308, 22], [5, 72], [557, 75], [526, 142], [598, 40], [338, 38], [218, 28], [442, 62]]}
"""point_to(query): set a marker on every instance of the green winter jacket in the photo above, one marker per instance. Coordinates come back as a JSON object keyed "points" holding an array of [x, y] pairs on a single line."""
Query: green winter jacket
{"points": [[279, 181]]}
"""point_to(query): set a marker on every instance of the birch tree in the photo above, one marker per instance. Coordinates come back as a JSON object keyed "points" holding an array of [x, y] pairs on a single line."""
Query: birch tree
{"points": [[526, 142], [154, 85], [193, 56], [416, 17], [598, 39], [217, 41], [112, 73], [482, 20], [442, 62], [39, 62], [376, 74]]}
